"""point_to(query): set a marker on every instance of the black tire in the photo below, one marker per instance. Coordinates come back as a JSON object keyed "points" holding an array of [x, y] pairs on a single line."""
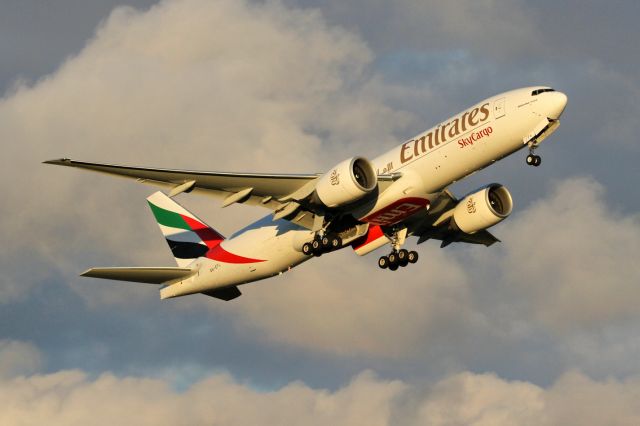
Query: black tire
{"points": [[531, 159], [393, 267], [325, 241], [307, 249], [413, 257], [393, 260], [403, 255], [383, 262], [537, 160], [316, 245]]}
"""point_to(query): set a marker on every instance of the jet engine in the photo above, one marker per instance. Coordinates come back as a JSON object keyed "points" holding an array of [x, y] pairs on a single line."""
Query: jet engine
{"points": [[483, 209], [347, 182]]}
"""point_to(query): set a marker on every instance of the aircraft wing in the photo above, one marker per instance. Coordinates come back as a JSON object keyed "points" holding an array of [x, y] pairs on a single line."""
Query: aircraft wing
{"points": [[265, 189], [278, 192]]}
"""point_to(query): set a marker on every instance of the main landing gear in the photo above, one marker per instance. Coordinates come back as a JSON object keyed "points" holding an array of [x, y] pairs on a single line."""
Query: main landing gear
{"points": [[398, 258], [322, 244]]}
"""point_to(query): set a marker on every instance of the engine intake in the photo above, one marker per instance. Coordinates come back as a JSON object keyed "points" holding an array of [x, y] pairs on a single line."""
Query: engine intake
{"points": [[483, 209], [347, 182]]}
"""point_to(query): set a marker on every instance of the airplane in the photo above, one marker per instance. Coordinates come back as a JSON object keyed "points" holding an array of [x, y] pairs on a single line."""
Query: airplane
{"points": [[357, 203]]}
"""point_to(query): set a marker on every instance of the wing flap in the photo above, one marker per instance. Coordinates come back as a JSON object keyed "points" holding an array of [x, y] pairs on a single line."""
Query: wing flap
{"points": [[147, 275]]}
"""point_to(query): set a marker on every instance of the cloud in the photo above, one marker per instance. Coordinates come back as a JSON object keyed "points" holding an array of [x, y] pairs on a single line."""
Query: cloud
{"points": [[500, 28], [236, 86], [572, 256], [220, 85], [329, 306], [574, 399], [71, 397], [18, 358], [566, 267]]}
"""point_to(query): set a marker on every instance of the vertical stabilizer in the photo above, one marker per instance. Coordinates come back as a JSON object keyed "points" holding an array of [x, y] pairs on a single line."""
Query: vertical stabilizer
{"points": [[188, 237]]}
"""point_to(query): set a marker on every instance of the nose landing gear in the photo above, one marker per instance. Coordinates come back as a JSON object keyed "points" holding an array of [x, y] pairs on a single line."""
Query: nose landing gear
{"points": [[534, 160]]}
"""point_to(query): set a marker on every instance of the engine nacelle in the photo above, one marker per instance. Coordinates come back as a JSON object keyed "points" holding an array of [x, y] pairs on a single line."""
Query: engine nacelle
{"points": [[347, 182], [483, 209]]}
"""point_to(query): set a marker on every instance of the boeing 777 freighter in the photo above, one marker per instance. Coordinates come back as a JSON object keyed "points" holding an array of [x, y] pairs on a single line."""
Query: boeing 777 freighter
{"points": [[358, 203]]}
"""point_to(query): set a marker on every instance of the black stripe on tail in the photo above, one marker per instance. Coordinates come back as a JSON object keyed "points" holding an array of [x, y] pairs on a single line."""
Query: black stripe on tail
{"points": [[185, 250]]}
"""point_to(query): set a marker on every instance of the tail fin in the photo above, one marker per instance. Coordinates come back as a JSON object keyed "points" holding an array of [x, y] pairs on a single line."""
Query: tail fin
{"points": [[188, 237]]}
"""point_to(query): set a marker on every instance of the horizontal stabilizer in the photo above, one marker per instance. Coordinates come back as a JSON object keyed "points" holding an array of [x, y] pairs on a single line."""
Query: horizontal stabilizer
{"points": [[148, 275]]}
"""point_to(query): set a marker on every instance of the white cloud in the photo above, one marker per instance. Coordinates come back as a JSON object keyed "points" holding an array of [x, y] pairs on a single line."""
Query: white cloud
{"points": [[222, 85], [483, 399], [71, 397]]}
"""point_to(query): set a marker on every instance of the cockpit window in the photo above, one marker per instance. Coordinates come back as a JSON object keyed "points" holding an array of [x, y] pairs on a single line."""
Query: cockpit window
{"points": [[538, 91]]}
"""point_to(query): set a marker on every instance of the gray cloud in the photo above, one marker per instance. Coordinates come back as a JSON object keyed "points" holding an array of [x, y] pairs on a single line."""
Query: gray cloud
{"points": [[501, 28], [586, 273], [567, 264], [35, 35], [18, 358]]}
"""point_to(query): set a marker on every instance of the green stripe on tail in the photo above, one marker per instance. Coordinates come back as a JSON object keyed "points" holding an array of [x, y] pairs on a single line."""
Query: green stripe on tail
{"points": [[168, 218]]}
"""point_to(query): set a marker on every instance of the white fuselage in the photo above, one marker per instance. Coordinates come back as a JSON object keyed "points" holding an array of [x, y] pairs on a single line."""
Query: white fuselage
{"points": [[428, 163]]}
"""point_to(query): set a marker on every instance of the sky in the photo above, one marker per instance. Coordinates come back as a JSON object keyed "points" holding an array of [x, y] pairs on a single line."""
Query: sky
{"points": [[543, 328]]}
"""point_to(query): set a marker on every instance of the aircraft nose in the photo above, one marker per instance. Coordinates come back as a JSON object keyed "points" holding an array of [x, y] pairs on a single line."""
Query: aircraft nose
{"points": [[556, 104]]}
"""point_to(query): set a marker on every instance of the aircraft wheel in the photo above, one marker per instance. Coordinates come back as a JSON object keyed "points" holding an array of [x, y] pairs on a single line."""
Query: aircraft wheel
{"points": [[403, 257], [307, 249], [393, 261], [537, 160], [412, 257], [383, 262], [531, 159], [316, 245], [325, 241], [336, 243]]}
